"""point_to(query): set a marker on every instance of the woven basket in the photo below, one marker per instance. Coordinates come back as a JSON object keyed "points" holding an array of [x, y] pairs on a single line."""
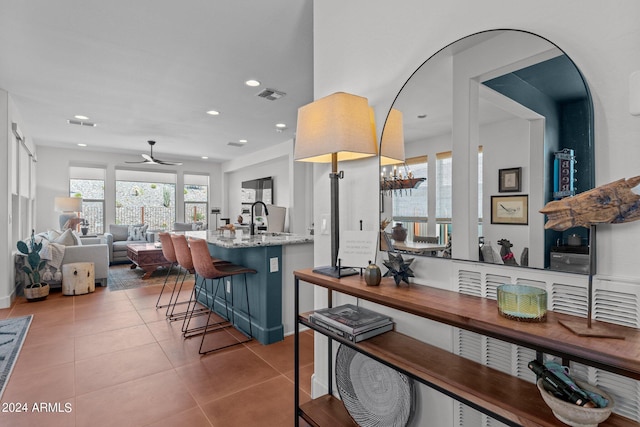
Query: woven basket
{"points": [[37, 292]]}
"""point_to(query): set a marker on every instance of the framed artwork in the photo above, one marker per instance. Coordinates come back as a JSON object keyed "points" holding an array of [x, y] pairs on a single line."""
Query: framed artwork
{"points": [[510, 210], [509, 180]]}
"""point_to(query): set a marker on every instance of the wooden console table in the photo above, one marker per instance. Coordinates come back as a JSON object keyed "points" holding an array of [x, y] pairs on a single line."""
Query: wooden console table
{"points": [[147, 257], [509, 399]]}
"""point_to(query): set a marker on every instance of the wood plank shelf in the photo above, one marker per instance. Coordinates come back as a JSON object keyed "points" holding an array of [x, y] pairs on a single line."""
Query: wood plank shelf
{"points": [[621, 356], [500, 395]]}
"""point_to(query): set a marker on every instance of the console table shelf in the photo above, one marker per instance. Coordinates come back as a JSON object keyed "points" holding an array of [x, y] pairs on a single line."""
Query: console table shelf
{"points": [[505, 397]]}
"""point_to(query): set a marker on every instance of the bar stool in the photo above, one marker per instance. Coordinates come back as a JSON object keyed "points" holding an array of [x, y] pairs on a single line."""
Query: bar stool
{"points": [[169, 254], [209, 271], [184, 260]]}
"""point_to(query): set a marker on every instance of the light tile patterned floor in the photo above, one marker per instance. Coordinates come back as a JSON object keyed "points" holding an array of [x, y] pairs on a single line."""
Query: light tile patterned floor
{"points": [[111, 359]]}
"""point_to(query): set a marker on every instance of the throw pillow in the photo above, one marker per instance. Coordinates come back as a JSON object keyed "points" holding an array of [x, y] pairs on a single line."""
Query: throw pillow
{"points": [[137, 233], [76, 237], [66, 238], [53, 235], [197, 226]]}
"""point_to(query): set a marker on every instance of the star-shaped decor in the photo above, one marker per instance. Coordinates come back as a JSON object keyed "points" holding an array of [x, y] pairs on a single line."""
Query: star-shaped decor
{"points": [[398, 268]]}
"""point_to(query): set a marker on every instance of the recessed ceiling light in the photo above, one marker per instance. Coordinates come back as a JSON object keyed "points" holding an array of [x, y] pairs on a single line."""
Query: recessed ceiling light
{"points": [[204, 157], [242, 141], [213, 112], [82, 145], [252, 83], [79, 117], [281, 125]]}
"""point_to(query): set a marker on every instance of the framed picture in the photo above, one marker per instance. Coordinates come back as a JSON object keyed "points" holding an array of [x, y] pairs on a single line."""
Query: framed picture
{"points": [[510, 210], [509, 180]]}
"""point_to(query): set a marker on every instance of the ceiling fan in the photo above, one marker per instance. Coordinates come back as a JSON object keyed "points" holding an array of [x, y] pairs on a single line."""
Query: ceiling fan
{"points": [[148, 158]]}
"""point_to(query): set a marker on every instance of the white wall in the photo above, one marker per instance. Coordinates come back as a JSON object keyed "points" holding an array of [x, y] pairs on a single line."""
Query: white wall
{"points": [[53, 179], [292, 181], [391, 39], [370, 48]]}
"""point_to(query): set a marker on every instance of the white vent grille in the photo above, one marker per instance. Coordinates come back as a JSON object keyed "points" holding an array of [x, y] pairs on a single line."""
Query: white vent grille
{"points": [[470, 283], [271, 94], [236, 144], [493, 281], [624, 391], [81, 123], [617, 307], [616, 300], [569, 299]]}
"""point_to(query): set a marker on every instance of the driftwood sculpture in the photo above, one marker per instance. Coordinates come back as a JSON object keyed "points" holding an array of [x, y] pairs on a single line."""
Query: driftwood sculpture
{"points": [[505, 252], [609, 203]]}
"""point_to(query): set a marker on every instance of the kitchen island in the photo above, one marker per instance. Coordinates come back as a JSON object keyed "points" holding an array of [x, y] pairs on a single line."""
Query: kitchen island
{"points": [[271, 298]]}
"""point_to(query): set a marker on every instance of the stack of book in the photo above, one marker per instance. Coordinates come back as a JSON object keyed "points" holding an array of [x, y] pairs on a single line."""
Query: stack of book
{"points": [[351, 322]]}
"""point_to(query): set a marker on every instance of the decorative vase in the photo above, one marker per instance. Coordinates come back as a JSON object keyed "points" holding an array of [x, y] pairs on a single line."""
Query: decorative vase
{"points": [[372, 275], [84, 230], [399, 233]]}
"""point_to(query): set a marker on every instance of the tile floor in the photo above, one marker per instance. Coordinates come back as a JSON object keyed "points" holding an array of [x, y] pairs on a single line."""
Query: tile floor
{"points": [[110, 358]]}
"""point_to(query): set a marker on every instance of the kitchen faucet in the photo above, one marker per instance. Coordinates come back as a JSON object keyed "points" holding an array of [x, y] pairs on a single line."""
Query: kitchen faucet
{"points": [[266, 212]]}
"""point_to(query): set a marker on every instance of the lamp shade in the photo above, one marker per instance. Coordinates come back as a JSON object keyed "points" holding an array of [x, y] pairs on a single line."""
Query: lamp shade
{"points": [[340, 124], [392, 145], [68, 204]]}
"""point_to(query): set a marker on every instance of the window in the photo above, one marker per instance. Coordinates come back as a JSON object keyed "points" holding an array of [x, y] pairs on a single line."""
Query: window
{"points": [[196, 198], [146, 198], [412, 204], [443, 186], [88, 183]]}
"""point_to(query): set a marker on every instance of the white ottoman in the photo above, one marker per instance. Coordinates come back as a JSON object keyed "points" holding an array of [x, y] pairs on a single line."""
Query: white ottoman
{"points": [[78, 278]]}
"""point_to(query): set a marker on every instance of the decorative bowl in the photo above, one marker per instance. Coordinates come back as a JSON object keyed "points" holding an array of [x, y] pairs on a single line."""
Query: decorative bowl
{"points": [[523, 303], [575, 415]]}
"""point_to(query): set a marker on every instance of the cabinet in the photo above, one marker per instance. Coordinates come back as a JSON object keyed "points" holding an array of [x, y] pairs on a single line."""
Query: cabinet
{"points": [[509, 399]]}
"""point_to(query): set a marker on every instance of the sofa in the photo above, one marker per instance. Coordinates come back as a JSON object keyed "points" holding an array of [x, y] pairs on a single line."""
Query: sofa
{"points": [[72, 249], [119, 236]]}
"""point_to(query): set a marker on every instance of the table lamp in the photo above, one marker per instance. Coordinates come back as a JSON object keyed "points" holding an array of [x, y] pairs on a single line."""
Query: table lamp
{"points": [[68, 206], [335, 128]]}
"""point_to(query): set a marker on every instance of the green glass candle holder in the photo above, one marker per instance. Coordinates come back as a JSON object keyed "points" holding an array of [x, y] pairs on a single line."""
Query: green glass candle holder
{"points": [[522, 303]]}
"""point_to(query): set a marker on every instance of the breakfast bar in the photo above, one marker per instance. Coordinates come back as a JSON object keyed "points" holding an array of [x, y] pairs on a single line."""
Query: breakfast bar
{"points": [[274, 256]]}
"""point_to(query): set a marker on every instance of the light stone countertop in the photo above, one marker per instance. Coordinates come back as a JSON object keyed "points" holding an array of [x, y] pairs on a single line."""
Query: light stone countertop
{"points": [[247, 241]]}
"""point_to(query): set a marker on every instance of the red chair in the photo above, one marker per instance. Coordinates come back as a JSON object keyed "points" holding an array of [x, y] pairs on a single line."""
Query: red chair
{"points": [[209, 271]]}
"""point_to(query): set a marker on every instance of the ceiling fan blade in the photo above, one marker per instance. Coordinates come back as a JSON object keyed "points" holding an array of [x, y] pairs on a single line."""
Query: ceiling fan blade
{"points": [[148, 158], [143, 161], [162, 162]]}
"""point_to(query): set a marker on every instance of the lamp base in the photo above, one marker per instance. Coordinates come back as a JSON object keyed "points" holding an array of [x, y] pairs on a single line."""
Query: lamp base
{"points": [[336, 272], [598, 330]]}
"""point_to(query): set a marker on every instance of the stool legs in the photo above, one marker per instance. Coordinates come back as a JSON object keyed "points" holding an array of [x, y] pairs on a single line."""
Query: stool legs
{"points": [[249, 335], [165, 284]]}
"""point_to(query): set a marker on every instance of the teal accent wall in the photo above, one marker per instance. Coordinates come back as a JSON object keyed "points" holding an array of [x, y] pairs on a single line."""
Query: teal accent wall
{"points": [[264, 288]]}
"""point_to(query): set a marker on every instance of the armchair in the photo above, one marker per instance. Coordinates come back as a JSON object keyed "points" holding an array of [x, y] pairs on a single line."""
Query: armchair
{"points": [[117, 239]]}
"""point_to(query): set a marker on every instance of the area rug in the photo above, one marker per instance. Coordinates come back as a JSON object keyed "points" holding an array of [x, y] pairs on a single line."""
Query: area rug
{"points": [[12, 334], [122, 277]]}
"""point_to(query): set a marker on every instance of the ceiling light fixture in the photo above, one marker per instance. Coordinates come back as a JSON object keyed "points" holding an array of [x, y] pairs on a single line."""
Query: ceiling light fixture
{"points": [[82, 145], [213, 113], [80, 117], [252, 83], [242, 141], [204, 157]]}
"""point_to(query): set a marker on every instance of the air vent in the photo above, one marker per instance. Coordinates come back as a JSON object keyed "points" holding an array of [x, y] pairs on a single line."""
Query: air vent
{"points": [[236, 144], [81, 123], [271, 94]]}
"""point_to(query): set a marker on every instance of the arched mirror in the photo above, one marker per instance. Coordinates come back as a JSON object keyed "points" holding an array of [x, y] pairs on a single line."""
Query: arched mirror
{"points": [[479, 139]]}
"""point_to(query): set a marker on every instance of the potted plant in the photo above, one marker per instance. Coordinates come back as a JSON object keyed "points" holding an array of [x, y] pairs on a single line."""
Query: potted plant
{"points": [[35, 290]]}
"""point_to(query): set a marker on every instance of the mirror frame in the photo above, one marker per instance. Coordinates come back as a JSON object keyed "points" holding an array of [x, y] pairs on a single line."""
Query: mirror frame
{"points": [[550, 236]]}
